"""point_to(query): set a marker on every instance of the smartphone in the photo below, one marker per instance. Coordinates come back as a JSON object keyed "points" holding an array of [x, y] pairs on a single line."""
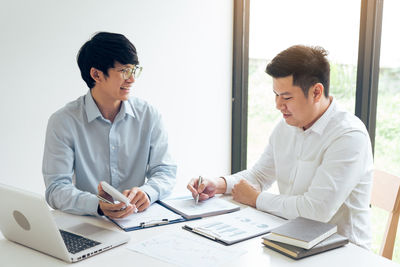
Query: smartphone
{"points": [[115, 193]]}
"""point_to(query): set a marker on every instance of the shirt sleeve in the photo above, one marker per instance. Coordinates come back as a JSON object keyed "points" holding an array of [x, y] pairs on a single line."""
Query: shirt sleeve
{"points": [[335, 178], [57, 168], [161, 173], [261, 175]]}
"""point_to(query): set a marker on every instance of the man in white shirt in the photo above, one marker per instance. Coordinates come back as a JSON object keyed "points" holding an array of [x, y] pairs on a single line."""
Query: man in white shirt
{"points": [[320, 156]]}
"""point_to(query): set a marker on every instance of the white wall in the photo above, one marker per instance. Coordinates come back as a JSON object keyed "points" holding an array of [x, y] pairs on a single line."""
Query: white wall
{"points": [[185, 47]]}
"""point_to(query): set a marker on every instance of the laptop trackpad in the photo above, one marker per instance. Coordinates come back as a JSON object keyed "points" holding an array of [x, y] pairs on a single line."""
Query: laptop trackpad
{"points": [[85, 229]]}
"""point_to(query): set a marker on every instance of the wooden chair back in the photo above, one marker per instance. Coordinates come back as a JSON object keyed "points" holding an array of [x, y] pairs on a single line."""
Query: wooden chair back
{"points": [[385, 195]]}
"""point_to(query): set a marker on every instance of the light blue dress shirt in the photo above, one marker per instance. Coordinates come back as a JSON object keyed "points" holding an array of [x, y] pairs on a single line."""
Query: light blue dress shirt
{"points": [[83, 148]]}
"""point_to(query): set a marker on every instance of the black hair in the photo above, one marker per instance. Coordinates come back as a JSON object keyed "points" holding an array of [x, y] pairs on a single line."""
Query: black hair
{"points": [[102, 51], [307, 64]]}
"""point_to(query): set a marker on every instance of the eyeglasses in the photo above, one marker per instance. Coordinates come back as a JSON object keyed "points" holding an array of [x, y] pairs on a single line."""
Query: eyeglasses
{"points": [[128, 72]]}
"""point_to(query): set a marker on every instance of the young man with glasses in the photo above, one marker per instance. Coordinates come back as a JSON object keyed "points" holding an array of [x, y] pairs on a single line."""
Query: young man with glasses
{"points": [[106, 135], [320, 155]]}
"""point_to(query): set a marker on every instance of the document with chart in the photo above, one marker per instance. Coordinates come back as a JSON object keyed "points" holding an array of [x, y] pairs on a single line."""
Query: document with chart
{"points": [[235, 227]]}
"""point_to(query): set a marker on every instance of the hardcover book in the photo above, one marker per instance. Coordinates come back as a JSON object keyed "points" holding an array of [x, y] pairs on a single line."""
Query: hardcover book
{"points": [[334, 241], [302, 232]]}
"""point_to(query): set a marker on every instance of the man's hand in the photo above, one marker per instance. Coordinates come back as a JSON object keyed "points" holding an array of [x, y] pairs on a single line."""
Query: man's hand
{"points": [[208, 187], [245, 193], [206, 190], [114, 211], [138, 198]]}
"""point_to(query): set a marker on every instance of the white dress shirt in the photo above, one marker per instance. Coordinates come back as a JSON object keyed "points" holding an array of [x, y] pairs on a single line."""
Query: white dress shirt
{"points": [[323, 173]]}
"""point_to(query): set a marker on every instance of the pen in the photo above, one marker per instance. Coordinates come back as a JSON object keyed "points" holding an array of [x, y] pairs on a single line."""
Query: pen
{"points": [[154, 223], [206, 232], [198, 185]]}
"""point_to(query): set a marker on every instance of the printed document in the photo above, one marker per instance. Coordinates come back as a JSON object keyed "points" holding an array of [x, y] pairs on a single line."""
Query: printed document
{"points": [[235, 227], [184, 249]]}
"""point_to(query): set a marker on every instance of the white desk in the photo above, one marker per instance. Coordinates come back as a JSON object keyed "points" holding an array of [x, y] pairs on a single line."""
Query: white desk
{"points": [[12, 254]]}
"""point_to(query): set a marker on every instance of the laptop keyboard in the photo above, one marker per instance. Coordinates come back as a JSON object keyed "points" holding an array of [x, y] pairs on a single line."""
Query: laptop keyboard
{"points": [[76, 243]]}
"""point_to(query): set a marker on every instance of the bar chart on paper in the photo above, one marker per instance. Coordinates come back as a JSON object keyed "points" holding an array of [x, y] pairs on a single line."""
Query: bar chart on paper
{"points": [[235, 227]]}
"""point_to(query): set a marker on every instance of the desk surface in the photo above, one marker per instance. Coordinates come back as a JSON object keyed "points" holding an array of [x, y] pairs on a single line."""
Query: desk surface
{"points": [[12, 254]]}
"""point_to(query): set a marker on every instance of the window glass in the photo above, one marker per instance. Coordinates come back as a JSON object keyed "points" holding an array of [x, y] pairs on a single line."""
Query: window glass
{"points": [[387, 139], [275, 27], [387, 132]]}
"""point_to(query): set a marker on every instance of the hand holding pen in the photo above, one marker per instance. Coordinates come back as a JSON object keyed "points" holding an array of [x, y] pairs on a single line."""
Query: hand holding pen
{"points": [[199, 181], [202, 188]]}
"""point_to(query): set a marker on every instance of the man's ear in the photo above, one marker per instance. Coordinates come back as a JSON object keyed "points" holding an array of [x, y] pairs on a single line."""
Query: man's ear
{"points": [[96, 74], [317, 92]]}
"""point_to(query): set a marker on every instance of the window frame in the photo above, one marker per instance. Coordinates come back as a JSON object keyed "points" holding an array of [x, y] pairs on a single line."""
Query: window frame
{"points": [[240, 74], [367, 74]]}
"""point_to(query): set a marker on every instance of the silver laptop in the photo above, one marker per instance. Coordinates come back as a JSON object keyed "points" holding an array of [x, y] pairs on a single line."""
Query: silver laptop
{"points": [[26, 219]]}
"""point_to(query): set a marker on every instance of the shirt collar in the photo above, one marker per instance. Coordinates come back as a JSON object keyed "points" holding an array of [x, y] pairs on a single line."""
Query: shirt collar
{"points": [[319, 126], [93, 112], [127, 108]]}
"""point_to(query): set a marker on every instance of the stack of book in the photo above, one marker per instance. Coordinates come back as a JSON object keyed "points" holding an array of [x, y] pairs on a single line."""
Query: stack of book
{"points": [[303, 237]]}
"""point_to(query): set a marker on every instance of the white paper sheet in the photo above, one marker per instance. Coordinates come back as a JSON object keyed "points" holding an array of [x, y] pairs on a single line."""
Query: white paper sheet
{"points": [[183, 249], [188, 207]]}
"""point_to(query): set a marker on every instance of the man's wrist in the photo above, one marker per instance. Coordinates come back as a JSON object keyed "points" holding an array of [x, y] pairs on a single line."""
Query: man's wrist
{"points": [[221, 185], [99, 211], [255, 199]]}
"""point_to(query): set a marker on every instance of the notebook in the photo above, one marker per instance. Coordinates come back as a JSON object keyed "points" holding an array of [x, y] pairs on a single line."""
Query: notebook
{"points": [[302, 232], [26, 219], [187, 207], [235, 227], [334, 241]]}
